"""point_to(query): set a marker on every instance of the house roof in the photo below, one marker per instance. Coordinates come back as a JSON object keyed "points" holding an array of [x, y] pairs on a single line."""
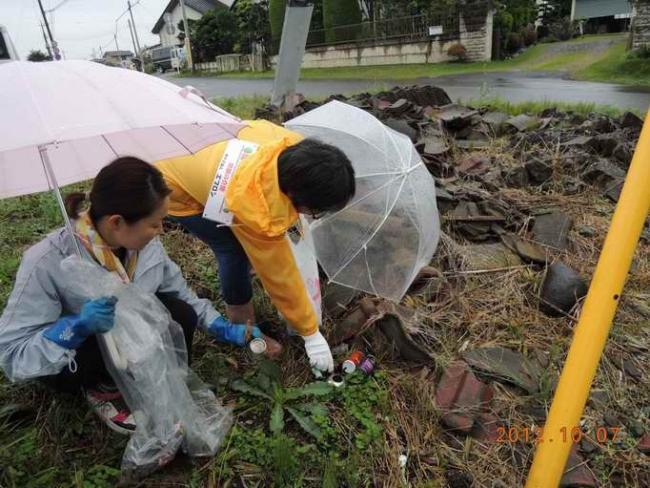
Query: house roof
{"points": [[201, 6], [117, 53], [589, 9]]}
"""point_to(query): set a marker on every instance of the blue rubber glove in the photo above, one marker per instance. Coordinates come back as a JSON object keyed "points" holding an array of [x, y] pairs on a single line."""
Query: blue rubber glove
{"points": [[225, 331], [95, 317]]}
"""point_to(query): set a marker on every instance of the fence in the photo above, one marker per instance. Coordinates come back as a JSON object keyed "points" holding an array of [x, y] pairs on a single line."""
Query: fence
{"points": [[227, 63], [403, 40], [441, 26]]}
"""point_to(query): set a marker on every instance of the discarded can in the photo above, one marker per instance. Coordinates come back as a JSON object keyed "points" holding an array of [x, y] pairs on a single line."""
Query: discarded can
{"points": [[336, 380], [257, 346], [368, 365], [352, 362]]}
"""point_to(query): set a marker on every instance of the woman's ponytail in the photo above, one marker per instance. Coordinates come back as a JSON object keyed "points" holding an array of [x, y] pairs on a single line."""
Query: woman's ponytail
{"points": [[73, 202]]}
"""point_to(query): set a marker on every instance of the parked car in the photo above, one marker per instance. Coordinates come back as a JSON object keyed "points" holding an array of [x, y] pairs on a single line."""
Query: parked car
{"points": [[167, 57], [7, 49], [162, 58]]}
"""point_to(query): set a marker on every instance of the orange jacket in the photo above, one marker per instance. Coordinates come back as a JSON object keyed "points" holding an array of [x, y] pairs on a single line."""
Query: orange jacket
{"points": [[263, 214]]}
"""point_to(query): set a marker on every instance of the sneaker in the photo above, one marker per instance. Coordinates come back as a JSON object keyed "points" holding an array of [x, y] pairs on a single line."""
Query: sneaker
{"points": [[109, 405]]}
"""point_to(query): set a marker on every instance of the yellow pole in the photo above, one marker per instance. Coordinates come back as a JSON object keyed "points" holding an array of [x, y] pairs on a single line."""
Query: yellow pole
{"points": [[595, 320]]}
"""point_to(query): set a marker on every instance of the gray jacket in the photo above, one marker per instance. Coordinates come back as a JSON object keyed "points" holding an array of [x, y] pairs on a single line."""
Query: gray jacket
{"points": [[39, 298]]}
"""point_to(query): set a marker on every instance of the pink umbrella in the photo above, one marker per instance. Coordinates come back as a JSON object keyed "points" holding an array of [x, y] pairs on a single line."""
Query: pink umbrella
{"points": [[62, 122]]}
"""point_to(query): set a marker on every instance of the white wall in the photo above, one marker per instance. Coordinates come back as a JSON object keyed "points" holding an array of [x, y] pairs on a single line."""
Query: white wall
{"points": [[477, 42], [352, 55], [176, 16]]}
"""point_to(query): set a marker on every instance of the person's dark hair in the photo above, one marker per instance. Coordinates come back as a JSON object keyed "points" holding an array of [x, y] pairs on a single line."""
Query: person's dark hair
{"points": [[316, 175], [128, 187]]}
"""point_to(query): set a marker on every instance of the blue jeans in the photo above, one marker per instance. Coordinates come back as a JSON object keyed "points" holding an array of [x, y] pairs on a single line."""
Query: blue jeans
{"points": [[234, 267]]}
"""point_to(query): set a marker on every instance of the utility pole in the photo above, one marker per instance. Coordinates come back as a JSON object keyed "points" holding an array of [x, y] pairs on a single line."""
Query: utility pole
{"points": [[137, 40], [292, 48], [135, 48], [55, 48], [117, 46], [47, 44], [188, 46], [136, 43]]}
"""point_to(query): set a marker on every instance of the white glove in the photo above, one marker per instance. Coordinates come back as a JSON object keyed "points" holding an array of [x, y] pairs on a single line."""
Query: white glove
{"points": [[318, 351]]}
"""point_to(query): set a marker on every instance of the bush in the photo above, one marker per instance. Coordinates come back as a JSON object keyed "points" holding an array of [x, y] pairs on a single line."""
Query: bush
{"points": [[514, 42], [563, 29], [338, 13], [549, 39], [529, 35], [457, 51], [641, 53], [276, 17]]}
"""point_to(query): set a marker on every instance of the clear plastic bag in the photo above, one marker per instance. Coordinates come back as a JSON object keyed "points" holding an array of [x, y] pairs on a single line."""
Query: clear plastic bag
{"points": [[172, 407]]}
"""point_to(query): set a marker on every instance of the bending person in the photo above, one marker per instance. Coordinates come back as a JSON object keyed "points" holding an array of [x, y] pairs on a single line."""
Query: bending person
{"points": [[262, 187]]}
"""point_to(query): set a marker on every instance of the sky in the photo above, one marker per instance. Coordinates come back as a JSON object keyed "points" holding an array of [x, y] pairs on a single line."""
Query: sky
{"points": [[80, 27]]}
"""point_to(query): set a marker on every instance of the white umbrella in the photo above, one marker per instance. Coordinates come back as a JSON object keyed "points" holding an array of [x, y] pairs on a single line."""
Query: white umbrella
{"points": [[390, 230], [61, 122]]}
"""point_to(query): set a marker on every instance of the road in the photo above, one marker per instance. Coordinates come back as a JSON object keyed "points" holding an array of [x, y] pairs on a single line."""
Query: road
{"points": [[511, 86]]}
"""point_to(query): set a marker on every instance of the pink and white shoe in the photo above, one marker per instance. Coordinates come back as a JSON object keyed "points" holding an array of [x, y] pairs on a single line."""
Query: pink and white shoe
{"points": [[109, 405]]}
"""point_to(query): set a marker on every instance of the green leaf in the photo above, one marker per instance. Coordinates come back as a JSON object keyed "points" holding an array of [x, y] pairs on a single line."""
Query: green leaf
{"points": [[243, 387], [313, 409], [278, 394], [264, 382], [306, 423], [318, 388], [276, 424], [271, 369]]}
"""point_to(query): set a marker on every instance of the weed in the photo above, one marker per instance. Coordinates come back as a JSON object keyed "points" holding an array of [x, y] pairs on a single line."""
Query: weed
{"points": [[360, 402], [266, 385]]}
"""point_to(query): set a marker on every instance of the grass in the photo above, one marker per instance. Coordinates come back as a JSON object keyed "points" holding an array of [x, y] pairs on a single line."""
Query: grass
{"points": [[618, 67], [54, 441], [582, 61], [537, 107], [245, 106]]}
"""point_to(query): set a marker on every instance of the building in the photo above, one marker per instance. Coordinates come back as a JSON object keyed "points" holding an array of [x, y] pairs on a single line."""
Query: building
{"points": [[601, 16], [7, 49], [118, 58], [641, 24], [167, 25]]}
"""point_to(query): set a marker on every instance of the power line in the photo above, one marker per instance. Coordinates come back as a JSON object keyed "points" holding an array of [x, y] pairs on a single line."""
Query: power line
{"points": [[112, 41], [60, 4], [124, 13]]}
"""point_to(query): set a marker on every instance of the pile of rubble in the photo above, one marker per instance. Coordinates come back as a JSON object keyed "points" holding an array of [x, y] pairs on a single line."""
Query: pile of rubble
{"points": [[503, 185]]}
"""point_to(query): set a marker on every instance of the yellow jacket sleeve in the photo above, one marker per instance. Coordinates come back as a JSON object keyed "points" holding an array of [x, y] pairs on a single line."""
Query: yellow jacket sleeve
{"points": [[275, 266]]}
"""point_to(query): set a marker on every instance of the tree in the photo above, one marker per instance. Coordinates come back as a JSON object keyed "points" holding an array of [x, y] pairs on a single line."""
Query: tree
{"points": [[554, 10], [213, 34], [191, 23], [38, 55], [253, 23], [511, 23], [338, 13], [276, 16]]}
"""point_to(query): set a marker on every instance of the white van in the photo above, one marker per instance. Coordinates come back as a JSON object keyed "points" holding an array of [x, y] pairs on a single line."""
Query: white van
{"points": [[7, 49]]}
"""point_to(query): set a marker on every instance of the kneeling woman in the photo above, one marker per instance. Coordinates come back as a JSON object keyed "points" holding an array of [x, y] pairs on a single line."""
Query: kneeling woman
{"points": [[40, 338]]}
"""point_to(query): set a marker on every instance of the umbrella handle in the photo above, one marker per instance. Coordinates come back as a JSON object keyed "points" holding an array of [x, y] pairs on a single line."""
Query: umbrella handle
{"points": [[187, 89]]}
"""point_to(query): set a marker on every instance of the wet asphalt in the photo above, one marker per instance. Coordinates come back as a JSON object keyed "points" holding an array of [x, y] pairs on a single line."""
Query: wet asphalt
{"points": [[511, 86]]}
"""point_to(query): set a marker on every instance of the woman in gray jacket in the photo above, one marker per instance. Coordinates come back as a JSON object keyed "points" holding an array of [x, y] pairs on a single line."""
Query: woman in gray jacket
{"points": [[41, 338]]}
